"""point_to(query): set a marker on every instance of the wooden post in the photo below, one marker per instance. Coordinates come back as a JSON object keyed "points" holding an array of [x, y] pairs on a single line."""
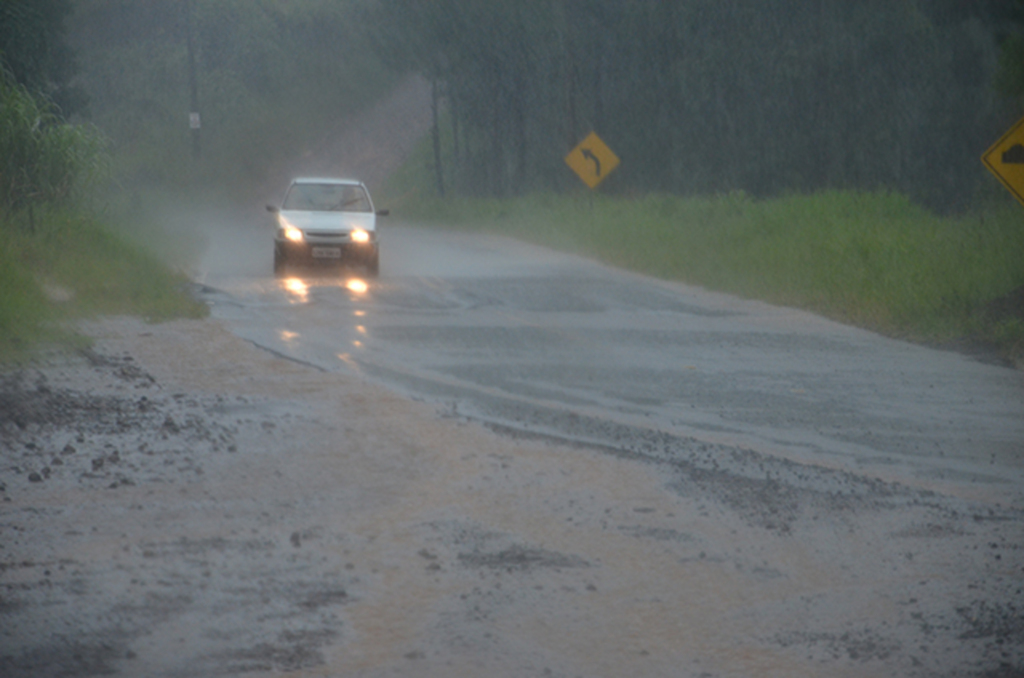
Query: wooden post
{"points": [[194, 119]]}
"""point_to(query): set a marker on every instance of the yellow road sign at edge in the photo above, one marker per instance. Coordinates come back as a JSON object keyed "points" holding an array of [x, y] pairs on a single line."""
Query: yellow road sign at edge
{"points": [[592, 160], [1006, 160]]}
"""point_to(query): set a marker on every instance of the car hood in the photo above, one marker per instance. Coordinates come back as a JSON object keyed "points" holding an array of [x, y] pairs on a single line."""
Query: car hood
{"points": [[329, 221]]}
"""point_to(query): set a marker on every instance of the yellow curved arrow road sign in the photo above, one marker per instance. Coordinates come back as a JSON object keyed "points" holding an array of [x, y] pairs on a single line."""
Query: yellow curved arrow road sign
{"points": [[592, 160], [1006, 160]]}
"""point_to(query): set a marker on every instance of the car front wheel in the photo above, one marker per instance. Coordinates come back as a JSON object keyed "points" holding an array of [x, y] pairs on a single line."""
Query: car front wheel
{"points": [[373, 264]]}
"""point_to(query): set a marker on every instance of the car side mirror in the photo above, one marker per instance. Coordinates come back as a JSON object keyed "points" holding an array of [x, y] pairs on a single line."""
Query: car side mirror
{"points": [[383, 213], [272, 209]]}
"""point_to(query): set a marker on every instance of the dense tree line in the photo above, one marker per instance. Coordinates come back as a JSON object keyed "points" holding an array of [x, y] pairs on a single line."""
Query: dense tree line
{"points": [[1008, 17], [701, 96], [271, 76], [695, 96], [35, 53]]}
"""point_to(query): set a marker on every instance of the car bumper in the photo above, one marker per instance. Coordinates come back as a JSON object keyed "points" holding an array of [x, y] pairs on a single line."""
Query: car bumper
{"points": [[326, 252]]}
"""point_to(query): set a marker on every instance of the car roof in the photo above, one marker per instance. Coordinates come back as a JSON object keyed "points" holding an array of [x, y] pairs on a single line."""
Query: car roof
{"points": [[327, 180]]}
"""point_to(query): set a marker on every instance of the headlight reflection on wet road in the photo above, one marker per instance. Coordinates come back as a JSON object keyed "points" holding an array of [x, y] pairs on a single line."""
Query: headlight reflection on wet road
{"points": [[358, 288], [356, 285], [298, 289]]}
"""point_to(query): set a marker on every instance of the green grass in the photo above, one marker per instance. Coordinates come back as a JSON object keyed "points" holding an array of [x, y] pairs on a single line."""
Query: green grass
{"points": [[875, 260], [69, 266]]}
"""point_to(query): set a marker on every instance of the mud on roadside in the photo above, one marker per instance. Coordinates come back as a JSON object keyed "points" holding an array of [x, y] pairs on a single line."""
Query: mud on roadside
{"points": [[92, 445], [120, 430]]}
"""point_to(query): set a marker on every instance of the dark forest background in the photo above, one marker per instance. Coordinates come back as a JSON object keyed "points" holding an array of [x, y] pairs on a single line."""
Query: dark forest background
{"points": [[697, 97], [710, 96]]}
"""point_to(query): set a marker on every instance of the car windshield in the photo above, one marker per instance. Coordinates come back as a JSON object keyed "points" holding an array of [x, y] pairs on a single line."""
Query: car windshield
{"points": [[327, 198]]}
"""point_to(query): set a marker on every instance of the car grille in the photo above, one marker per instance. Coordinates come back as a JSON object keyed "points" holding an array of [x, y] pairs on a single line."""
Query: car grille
{"points": [[327, 234]]}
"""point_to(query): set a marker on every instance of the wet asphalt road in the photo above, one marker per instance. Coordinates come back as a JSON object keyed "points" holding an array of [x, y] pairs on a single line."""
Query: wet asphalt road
{"points": [[537, 343]]}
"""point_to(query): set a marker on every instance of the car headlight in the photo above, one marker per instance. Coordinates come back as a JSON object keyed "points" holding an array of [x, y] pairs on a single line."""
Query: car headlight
{"points": [[360, 236], [291, 233]]}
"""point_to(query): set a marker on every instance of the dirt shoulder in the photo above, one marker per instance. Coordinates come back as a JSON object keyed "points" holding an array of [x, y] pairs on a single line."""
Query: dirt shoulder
{"points": [[161, 494]]}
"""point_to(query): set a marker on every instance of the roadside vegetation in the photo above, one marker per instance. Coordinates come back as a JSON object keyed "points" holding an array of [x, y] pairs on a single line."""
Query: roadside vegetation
{"points": [[72, 266], [58, 261]]}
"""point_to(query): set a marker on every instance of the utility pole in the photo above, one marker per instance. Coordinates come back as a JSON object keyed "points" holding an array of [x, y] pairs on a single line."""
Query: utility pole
{"points": [[194, 121], [569, 71]]}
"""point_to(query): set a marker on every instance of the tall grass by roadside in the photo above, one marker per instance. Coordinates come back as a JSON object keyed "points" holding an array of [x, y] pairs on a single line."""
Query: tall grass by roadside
{"points": [[70, 266], [57, 263], [24, 311], [42, 158], [875, 260]]}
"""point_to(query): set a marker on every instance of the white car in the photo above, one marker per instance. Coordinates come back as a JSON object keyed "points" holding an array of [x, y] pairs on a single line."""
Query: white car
{"points": [[326, 221]]}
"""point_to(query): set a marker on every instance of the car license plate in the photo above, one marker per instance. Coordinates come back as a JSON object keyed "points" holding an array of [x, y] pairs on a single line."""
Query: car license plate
{"points": [[326, 252]]}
